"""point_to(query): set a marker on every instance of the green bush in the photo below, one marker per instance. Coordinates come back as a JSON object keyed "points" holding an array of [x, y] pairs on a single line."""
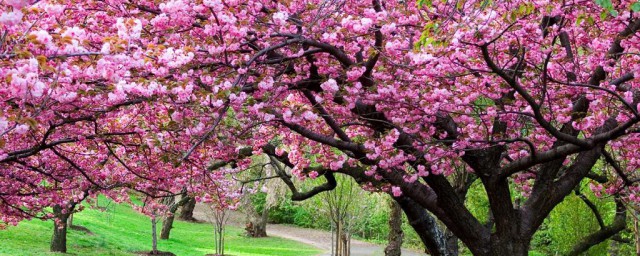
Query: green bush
{"points": [[258, 200], [283, 213], [303, 218]]}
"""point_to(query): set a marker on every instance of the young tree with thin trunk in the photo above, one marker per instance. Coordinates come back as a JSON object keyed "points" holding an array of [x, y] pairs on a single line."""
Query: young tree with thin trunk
{"points": [[154, 235], [218, 217], [342, 205]]}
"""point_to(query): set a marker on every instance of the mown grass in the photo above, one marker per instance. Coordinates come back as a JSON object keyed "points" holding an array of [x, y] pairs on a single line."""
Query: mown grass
{"points": [[121, 231]]}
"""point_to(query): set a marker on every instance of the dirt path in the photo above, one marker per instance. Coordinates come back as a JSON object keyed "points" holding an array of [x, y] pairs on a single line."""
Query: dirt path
{"points": [[318, 238]]}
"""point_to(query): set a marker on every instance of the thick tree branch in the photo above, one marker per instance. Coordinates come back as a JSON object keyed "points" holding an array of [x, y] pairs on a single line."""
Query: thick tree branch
{"points": [[300, 196]]}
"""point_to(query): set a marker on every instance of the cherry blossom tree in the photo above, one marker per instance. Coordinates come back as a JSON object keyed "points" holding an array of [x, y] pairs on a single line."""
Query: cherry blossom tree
{"points": [[77, 115], [417, 100]]}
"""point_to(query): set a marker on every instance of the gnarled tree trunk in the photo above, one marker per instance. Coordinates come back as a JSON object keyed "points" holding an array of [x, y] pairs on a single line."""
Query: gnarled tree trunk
{"points": [[187, 210], [451, 243], [257, 223], [431, 235]]}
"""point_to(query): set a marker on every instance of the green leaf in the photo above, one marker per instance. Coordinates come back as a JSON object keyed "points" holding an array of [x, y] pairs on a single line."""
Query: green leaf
{"points": [[608, 7], [425, 3], [636, 6]]}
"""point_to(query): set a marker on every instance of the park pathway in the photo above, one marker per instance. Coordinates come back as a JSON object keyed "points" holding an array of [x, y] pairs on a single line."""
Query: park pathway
{"points": [[317, 238]]}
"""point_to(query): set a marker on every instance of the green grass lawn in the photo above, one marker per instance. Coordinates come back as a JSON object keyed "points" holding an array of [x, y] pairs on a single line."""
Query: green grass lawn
{"points": [[122, 231]]}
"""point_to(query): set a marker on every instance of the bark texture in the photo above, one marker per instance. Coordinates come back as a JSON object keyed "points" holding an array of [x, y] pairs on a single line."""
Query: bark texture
{"points": [[256, 222], [187, 210], [167, 225], [396, 235], [59, 238], [154, 236]]}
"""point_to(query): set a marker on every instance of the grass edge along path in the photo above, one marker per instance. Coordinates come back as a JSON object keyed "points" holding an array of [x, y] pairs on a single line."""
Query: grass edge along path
{"points": [[121, 231]]}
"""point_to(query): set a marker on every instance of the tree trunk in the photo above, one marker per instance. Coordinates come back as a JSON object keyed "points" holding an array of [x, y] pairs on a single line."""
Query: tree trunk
{"points": [[342, 240], [59, 239], [431, 235], [509, 246], [154, 236], [636, 231], [167, 221], [167, 224], [346, 244], [187, 210], [257, 225], [338, 247], [70, 221], [395, 231], [451, 243]]}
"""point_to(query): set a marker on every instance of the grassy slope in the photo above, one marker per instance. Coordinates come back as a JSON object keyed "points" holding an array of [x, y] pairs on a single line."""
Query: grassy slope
{"points": [[121, 231]]}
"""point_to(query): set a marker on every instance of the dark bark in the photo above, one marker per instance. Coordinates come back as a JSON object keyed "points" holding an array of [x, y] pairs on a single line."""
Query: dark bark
{"points": [[451, 243], [59, 238], [187, 210], [425, 225], [167, 222], [396, 235]]}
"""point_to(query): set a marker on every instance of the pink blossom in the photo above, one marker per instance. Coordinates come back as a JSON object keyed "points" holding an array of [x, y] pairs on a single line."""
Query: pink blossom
{"points": [[17, 3], [11, 18], [280, 18], [4, 124], [330, 86], [43, 37], [21, 129], [266, 83], [310, 116], [396, 191], [129, 29], [355, 73]]}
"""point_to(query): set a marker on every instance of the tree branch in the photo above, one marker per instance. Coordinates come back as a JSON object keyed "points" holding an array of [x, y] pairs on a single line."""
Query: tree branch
{"points": [[619, 224]]}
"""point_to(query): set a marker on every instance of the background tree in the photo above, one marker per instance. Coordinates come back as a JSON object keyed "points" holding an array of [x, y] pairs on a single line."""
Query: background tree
{"points": [[167, 223], [187, 210], [394, 246]]}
